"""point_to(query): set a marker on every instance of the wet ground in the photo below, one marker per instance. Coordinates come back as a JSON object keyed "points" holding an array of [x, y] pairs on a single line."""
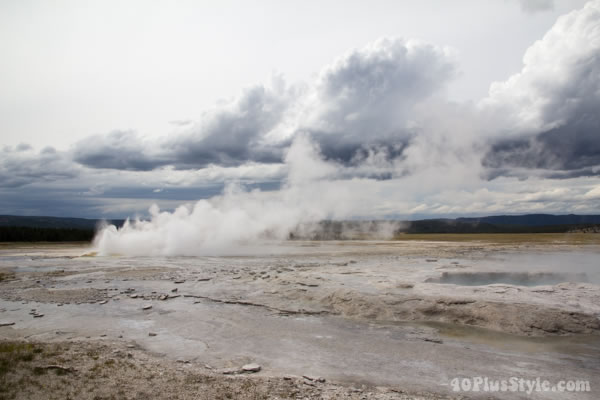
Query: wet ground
{"points": [[409, 315]]}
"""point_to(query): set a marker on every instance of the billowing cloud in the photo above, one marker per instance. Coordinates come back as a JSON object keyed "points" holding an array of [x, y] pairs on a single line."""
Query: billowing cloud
{"points": [[234, 133], [359, 104], [23, 166], [547, 114], [230, 134], [573, 148], [123, 150], [372, 132], [364, 100]]}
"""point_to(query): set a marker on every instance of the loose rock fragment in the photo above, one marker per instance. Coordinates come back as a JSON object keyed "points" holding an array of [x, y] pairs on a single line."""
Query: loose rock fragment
{"points": [[230, 371], [314, 378], [59, 367], [404, 285], [432, 340], [251, 367]]}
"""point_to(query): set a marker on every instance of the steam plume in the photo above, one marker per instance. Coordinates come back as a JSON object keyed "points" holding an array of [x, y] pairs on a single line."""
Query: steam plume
{"points": [[238, 220]]}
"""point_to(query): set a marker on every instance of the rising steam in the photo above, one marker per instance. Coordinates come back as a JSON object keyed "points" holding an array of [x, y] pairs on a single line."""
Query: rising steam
{"points": [[237, 221]]}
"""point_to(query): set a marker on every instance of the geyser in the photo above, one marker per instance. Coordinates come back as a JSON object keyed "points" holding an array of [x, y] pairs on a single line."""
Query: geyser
{"points": [[238, 221]]}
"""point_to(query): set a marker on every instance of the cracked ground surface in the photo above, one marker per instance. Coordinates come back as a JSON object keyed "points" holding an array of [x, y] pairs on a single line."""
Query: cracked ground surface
{"points": [[403, 317]]}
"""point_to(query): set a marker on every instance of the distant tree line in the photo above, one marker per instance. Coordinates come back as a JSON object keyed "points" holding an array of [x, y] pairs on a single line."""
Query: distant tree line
{"points": [[453, 226], [343, 230], [324, 230], [32, 234]]}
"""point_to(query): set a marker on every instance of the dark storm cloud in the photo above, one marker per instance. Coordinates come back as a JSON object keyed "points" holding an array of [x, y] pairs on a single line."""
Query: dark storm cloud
{"points": [[573, 148], [374, 113], [364, 100], [363, 104], [233, 135], [24, 166], [557, 97], [226, 136], [123, 150], [360, 103], [351, 153]]}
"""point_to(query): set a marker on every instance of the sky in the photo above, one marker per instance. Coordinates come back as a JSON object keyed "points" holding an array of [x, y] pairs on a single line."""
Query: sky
{"points": [[378, 109]]}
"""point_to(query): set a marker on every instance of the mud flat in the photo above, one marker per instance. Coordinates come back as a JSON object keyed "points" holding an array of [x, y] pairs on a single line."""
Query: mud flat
{"points": [[352, 319]]}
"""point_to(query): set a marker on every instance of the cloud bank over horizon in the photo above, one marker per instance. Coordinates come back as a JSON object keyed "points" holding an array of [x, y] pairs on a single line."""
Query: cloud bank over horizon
{"points": [[380, 130]]}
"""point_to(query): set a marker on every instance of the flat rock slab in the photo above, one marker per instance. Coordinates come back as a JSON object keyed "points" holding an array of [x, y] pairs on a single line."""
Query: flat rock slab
{"points": [[251, 368]]}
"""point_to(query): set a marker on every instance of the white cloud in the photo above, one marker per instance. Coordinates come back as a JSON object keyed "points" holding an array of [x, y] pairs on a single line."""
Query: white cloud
{"points": [[371, 136], [559, 79], [546, 116], [366, 97], [593, 193]]}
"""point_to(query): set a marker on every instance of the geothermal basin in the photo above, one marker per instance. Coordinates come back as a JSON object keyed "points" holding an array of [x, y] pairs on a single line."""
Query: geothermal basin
{"points": [[409, 316]]}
